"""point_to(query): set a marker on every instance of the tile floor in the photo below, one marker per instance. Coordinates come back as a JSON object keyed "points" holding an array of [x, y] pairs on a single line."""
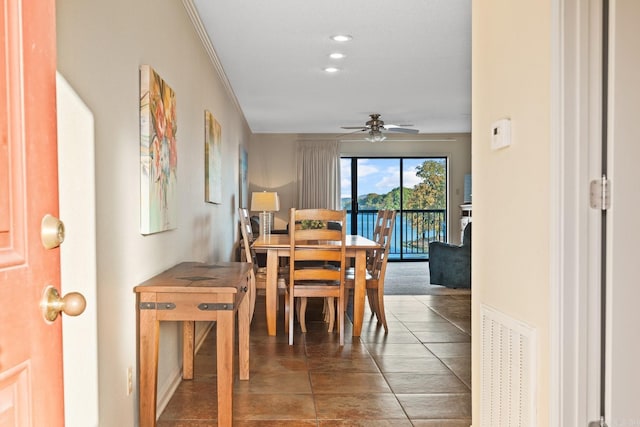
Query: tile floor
{"points": [[417, 375]]}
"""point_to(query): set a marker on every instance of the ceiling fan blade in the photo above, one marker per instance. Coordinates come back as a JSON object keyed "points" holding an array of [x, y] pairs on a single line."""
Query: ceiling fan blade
{"points": [[390, 139], [403, 130], [353, 127], [398, 126]]}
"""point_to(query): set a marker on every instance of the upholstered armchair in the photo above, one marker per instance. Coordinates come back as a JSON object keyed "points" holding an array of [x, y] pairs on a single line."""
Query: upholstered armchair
{"points": [[450, 265]]}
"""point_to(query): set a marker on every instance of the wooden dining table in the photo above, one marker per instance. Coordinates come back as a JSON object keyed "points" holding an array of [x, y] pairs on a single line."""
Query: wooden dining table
{"points": [[278, 245]]}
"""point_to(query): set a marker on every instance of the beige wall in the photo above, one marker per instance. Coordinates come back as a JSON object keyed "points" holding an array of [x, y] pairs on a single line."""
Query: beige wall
{"points": [[272, 167], [100, 48], [511, 187], [272, 164]]}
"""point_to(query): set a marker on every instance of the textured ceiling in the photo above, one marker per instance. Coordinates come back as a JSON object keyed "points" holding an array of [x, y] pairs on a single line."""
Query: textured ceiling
{"points": [[409, 60]]}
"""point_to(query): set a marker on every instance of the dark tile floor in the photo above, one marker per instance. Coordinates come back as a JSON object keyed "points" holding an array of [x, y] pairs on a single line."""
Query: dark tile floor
{"points": [[419, 374]]}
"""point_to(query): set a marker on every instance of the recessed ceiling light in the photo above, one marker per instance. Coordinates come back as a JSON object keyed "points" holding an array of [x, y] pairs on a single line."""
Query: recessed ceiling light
{"points": [[331, 69], [341, 38], [337, 55]]}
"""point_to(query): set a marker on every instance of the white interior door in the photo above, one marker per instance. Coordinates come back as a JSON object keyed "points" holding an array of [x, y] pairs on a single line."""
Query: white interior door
{"points": [[622, 373], [76, 180], [586, 392]]}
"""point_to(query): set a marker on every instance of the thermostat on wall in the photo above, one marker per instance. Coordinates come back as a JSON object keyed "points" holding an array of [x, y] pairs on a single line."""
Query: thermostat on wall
{"points": [[501, 134]]}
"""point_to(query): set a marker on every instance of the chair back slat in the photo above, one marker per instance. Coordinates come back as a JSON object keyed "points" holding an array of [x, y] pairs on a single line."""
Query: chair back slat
{"points": [[246, 231], [318, 234], [317, 275], [307, 253], [380, 220], [248, 255], [381, 234], [380, 256]]}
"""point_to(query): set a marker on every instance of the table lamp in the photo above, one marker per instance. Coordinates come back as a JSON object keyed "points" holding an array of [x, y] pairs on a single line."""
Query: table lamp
{"points": [[265, 202]]}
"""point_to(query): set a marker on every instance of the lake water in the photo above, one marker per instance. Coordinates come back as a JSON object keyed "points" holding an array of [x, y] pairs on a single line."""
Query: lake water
{"points": [[409, 233]]}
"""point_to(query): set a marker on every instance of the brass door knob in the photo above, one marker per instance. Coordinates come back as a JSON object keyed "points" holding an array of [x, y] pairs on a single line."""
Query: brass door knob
{"points": [[72, 304]]}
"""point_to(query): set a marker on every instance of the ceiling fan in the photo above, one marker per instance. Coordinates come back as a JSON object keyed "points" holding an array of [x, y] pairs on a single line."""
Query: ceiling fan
{"points": [[375, 127]]}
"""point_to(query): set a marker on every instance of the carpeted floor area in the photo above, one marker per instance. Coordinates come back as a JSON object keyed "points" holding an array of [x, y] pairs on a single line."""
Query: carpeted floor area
{"points": [[412, 278]]}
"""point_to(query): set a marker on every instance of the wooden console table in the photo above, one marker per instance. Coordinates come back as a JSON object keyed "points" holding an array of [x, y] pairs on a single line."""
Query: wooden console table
{"points": [[190, 292]]}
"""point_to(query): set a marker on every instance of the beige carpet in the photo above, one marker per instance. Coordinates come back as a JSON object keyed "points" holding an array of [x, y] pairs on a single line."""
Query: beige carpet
{"points": [[412, 278]]}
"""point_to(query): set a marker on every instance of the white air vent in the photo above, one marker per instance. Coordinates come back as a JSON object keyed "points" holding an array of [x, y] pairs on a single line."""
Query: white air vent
{"points": [[507, 366]]}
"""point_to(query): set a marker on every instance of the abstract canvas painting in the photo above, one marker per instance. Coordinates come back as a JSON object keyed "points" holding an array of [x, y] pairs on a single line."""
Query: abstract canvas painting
{"points": [[158, 153], [212, 160]]}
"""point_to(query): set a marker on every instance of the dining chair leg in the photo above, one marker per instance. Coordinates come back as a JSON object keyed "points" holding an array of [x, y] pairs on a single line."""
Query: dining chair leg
{"points": [[378, 297], [376, 304], [331, 309], [252, 295], [372, 302], [340, 317], [302, 313], [326, 314], [291, 312], [281, 285], [286, 312]]}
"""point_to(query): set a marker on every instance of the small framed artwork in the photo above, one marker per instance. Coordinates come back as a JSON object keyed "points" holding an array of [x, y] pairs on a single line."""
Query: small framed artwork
{"points": [[212, 159], [244, 184], [158, 153]]}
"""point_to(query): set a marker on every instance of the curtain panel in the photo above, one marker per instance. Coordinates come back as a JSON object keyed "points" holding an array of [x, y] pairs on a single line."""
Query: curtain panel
{"points": [[318, 171]]}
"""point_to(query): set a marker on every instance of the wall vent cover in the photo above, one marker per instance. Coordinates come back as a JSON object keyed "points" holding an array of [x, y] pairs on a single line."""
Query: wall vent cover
{"points": [[507, 371]]}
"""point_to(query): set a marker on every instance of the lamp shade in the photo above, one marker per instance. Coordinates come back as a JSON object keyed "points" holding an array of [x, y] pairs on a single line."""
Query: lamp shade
{"points": [[265, 201]]}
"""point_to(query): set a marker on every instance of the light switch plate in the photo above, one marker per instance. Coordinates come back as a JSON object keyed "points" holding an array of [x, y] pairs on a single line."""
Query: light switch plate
{"points": [[500, 134]]}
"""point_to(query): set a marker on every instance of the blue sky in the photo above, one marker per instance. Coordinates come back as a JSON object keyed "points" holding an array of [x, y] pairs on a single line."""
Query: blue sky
{"points": [[379, 175]]}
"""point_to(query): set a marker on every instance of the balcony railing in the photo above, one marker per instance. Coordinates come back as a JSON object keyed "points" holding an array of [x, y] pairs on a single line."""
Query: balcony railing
{"points": [[414, 229]]}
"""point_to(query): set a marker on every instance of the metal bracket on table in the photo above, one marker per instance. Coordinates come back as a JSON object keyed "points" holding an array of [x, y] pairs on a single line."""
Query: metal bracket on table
{"points": [[157, 306], [212, 306]]}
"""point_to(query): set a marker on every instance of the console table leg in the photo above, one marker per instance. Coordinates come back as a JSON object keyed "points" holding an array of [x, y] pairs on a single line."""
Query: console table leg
{"points": [[244, 323], [148, 351], [188, 346], [224, 347]]}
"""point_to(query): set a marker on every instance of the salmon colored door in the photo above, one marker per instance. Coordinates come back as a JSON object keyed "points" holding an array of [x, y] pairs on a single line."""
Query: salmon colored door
{"points": [[31, 391]]}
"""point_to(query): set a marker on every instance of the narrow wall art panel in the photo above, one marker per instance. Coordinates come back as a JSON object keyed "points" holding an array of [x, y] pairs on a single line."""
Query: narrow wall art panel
{"points": [[212, 159], [244, 182], [158, 153]]}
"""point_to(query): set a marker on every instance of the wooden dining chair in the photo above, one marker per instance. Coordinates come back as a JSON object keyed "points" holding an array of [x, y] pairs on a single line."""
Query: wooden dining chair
{"points": [[258, 275], [317, 262], [376, 269]]}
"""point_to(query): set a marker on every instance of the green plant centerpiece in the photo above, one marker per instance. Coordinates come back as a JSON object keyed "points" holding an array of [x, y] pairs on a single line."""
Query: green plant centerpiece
{"points": [[312, 224]]}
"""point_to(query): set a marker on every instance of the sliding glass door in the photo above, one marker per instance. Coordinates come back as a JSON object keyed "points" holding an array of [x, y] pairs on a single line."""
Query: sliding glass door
{"points": [[415, 187]]}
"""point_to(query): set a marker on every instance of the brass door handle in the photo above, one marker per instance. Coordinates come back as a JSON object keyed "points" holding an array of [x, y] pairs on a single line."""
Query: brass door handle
{"points": [[72, 304], [51, 232]]}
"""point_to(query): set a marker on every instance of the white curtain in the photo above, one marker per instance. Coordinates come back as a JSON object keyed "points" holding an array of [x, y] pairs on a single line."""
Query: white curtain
{"points": [[318, 166]]}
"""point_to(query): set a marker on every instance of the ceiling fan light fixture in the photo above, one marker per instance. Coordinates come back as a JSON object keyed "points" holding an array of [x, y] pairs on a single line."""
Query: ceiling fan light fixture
{"points": [[375, 136], [375, 126], [341, 38]]}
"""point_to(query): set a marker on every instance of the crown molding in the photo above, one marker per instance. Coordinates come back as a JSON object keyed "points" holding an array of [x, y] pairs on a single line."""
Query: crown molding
{"points": [[213, 56]]}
